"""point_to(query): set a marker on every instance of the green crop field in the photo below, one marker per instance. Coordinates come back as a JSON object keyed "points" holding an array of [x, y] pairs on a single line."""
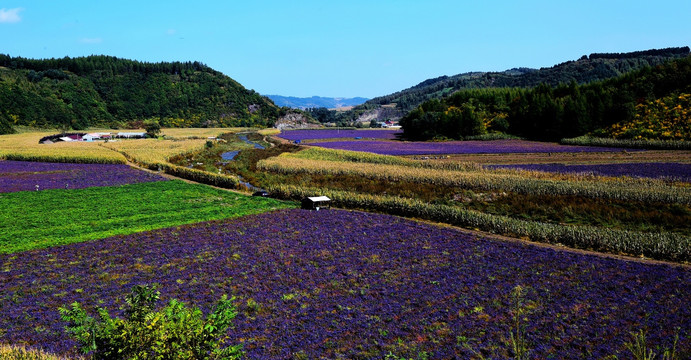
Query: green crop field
{"points": [[39, 219]]}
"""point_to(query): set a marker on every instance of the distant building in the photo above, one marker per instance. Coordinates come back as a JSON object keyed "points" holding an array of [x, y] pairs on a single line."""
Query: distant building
{"points": [[131, 135]]}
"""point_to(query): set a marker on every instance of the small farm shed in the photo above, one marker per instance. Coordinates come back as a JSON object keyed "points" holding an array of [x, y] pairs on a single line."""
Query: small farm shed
{"points": [[132, 135], [95, 136], [315, 202], [91, 137]]}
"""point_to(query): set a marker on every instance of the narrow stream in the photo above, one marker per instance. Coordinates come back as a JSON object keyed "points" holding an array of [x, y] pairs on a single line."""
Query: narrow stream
{"points": [[256, 145], [230, 156]]}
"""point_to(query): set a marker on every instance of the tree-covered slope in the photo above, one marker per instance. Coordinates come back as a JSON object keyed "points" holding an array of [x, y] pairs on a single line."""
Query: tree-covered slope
{"points": [[107, 91], [584, 70], [650, 103]]}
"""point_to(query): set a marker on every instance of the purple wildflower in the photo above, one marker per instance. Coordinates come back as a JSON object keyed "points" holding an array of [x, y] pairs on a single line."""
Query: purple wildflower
{"points": [[26, 175]]}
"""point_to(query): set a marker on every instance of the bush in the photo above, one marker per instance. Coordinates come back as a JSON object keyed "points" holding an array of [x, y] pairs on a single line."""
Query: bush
{"points": [[152, 127], [174, 332]]}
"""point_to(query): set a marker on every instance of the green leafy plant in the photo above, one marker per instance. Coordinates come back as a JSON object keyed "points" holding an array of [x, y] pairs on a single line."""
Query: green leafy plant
{"points": [[174, 332]]}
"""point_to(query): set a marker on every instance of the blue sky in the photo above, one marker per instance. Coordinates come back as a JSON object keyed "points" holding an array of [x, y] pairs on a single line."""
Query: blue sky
{"points": [[346, 48]]}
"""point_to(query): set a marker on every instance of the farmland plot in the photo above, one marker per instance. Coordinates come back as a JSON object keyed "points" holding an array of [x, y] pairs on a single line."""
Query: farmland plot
{"points": [[323, 134], [26, 147], [340, 284], [38, 219], [26, 175], [647, 217], [671, 171], [458, 147]]}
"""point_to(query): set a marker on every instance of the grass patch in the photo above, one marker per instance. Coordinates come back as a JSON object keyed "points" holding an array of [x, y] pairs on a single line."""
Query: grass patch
{"points": [[10, 352], [40, 219]]}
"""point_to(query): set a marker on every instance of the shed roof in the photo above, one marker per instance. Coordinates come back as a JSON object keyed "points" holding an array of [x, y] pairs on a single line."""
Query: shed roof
{"points": [[131, 133], [319, 198]]}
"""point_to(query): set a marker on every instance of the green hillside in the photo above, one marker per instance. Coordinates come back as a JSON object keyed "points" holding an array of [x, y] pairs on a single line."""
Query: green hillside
{"points": [[584, 70], [650, 103], [106, 91]]}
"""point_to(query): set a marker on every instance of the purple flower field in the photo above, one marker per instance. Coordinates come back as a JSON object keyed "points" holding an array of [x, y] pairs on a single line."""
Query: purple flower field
{"points": [[335, 134], [676, 171], [25, 175], [460, 147], [341, 284]]}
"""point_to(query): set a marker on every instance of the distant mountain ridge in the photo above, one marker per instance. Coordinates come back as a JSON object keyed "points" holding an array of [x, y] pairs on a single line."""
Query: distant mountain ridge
{"points": [[315, 102], [596, 66]]}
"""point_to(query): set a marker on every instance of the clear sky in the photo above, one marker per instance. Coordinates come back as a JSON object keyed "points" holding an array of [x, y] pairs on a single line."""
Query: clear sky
{"points": [[345, 48]]}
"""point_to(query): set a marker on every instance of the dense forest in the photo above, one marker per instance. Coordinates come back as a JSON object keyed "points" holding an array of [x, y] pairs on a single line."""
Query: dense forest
{"points": [[587, 69], [650, 103], [75, 93]]}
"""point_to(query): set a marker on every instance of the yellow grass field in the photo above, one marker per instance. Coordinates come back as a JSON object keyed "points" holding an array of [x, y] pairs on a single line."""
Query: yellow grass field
{"points": [[151, 151], [200, 132], [25, 146], [535, 183]]}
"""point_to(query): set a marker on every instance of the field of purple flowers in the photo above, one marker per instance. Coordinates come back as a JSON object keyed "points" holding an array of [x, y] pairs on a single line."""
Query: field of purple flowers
{"points": [[337, 134], [335, 283], [675, 171], [460, 147], [26, 175]]}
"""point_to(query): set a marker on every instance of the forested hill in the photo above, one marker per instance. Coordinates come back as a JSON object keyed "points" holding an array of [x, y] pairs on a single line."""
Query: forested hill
{"points": [[107, 91], [584, 70], [649, 103]]}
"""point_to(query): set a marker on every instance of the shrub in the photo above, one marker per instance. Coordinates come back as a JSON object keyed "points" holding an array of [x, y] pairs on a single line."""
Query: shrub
{"points": [[152, 127], [174, 332]]}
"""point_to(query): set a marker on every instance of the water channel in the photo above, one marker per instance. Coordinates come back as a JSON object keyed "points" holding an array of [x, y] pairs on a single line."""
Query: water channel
{"points": [[230, 156]]}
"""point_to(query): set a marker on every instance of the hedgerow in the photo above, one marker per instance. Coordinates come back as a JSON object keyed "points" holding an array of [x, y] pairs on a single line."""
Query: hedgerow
{"points": [[628, 143]]}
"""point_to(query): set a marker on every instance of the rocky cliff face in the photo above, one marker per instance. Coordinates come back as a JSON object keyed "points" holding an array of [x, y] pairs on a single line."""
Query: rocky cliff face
{"points": [[383, 113], [296, 120]]}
